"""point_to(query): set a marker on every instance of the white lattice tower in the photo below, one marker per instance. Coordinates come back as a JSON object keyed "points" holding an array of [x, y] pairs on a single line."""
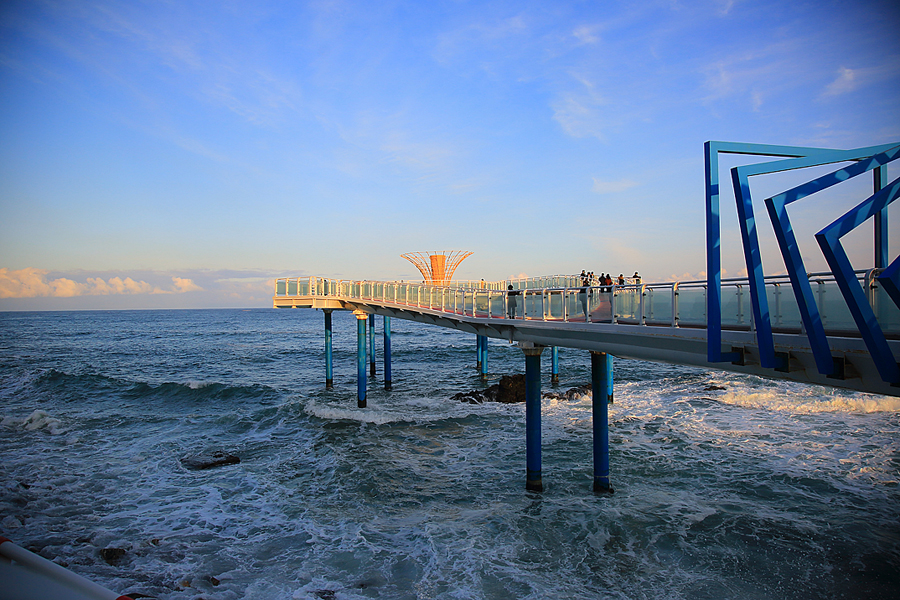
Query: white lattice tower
{"points": [[437, 267]]}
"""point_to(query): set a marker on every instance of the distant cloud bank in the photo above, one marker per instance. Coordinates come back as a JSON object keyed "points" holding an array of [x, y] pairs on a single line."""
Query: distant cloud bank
{"points": [[35, 283]]}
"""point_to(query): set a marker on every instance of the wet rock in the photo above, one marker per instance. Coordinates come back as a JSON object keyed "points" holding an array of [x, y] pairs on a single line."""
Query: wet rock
{"points": [[714, 388], [198, 462], [574, 393], [325, 594], [112, 556], [511, 389]]}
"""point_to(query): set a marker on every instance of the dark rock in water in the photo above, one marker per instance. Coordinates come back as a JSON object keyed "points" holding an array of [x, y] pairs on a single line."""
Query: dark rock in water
{"points": [[325, 594], [112, 556], [714, 388], [571, 394], [511, 389], [208, 461]]}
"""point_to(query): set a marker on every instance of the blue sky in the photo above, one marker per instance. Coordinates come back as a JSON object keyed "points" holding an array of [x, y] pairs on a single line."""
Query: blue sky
{"points": [[183, 154]]}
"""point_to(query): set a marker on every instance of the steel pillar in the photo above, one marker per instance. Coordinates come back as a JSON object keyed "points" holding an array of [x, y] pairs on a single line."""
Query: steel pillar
{"points": [[484, 357], [387, 353], [881, 221], [329, 368], [601, 384], [372, 345], [554, 373], [479, 348], [533, 480], [360, 358]]}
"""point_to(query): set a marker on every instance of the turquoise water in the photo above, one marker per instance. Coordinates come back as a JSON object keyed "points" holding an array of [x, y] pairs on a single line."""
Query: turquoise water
{"points": [[759, 490]]}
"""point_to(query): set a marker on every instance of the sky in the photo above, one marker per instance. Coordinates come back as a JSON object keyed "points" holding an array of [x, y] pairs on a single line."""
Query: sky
{"points": [[184, 154]]}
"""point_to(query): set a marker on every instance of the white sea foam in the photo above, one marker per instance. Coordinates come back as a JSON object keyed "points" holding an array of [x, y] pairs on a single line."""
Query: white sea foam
{"points": [[804, 403], [37, 420]]}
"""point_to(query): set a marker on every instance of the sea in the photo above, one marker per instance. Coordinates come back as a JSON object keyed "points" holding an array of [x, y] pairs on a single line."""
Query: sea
{"points": [[726, 486]]}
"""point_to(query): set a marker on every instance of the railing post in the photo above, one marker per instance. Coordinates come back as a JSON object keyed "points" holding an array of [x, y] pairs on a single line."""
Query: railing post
{"points": [[675, 305], [642, 320]]}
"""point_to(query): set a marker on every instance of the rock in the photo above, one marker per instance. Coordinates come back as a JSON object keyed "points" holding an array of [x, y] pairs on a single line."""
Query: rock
{"points": [[571, 394], [714, 388], [325, 594], [112, 556], [218, 458], [512, 389]]}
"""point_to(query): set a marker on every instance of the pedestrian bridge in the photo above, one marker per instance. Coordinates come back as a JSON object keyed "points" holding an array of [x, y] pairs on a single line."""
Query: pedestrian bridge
{"points": [[838, 328], [664, 322]]}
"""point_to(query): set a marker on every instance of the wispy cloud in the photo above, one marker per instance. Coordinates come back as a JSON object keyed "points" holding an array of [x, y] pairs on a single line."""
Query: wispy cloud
{"points": [[848, 80], [611, 187]]}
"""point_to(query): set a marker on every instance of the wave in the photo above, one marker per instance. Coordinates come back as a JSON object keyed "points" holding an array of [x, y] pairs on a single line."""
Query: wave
{"points": [[37, 420], [804, 402]]}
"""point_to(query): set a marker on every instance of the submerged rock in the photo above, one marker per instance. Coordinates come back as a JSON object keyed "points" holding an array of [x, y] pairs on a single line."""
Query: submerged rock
{"points": [[218, 458], [112, 556]]}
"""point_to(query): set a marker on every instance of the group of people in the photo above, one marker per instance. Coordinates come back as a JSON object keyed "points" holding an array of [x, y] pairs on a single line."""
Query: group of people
{"points": [[605, 281]]}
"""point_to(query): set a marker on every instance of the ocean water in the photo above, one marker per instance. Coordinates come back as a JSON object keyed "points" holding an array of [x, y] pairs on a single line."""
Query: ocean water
{"points": [[727, 486]]}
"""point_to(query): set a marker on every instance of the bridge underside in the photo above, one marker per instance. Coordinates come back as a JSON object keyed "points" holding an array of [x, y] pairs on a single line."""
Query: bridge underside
{"points": [[684, 346]]}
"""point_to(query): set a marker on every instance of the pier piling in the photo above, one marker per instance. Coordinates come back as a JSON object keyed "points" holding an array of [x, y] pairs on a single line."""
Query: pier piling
{"points": [[484, 357], [329, 367], [372, 345], [554, 372], [601, 384], [387, 353], [533, 480], [360, 358], [479, 346]]}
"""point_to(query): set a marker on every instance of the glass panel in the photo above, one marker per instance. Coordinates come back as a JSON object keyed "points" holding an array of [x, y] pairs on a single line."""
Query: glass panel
{"points": [[887, 312], [783, 309], [658, 305], [692, 305], [628, 304], [303, 287], [496, 305], [468, 304], [481, 304]]}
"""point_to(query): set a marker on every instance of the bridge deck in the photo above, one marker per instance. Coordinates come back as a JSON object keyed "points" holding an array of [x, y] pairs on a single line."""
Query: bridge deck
{"points": [[628, 338]]}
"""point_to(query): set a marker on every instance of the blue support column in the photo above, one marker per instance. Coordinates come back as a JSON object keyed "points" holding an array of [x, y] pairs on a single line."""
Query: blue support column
{"points": [[479, 349], [329, 369], [484, 357], [533, 480], [387, 353], [881, 222], [554, 373], [601, 384], [360, 358], [372, 345]]}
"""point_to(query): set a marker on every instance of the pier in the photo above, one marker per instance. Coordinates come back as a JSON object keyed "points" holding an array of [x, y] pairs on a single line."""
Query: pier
{"points": [[838, 328]]}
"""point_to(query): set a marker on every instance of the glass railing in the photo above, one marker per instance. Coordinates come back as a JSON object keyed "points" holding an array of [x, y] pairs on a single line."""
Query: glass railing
{"points": [[559, 298]]}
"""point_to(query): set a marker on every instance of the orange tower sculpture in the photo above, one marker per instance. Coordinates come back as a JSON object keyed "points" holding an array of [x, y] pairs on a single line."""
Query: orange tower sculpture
{"points": [[437, 267]]}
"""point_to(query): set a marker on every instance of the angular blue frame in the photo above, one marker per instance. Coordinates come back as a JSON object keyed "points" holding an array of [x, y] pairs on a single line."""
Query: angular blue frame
{"points": [[714, 233], [865, 159], [776, 206], [829, 240]]}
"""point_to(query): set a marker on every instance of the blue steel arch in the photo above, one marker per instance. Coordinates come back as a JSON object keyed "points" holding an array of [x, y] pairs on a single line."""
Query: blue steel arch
{"points": [[866, 159]]}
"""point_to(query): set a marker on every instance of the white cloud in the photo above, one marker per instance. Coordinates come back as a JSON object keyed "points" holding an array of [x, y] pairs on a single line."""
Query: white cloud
{"points": [[846, 81], [612, 187], [34, 283]]}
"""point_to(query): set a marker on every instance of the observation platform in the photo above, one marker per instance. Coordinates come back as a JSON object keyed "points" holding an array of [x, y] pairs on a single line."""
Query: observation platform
{"points": [[664, 322]]}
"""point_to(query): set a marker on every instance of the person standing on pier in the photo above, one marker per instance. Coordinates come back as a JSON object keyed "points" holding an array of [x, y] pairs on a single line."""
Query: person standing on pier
{"points": [[511, 303]]}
